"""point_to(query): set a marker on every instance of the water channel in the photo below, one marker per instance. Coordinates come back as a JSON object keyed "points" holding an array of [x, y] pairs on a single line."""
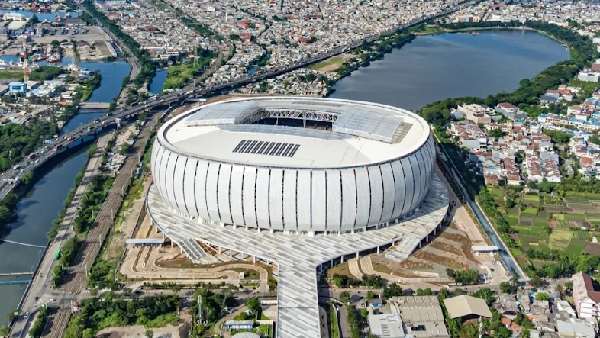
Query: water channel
{"points": [[428, 69]]}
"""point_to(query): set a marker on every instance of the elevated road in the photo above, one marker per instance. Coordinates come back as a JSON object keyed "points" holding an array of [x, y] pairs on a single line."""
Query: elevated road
{"points": [[12, 176]]}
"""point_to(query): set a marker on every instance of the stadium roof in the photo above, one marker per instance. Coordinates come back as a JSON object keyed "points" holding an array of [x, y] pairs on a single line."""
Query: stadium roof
{"points": [[462, 306], [361, 133]]}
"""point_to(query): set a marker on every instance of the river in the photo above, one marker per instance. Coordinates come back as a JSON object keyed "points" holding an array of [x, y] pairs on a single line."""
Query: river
{"points": [[428, 69]]}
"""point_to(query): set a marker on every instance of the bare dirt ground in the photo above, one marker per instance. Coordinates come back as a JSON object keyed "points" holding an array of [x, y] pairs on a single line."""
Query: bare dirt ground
{"points": [[449, 250], [95, 34], [138, 331]]}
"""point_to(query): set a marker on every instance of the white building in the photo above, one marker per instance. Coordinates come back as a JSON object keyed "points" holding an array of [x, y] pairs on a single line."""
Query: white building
{"points": [[587, 300]]}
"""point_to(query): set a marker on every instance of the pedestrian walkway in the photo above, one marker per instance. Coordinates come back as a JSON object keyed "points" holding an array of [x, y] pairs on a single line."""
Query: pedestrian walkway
{"points": [[355, 268]]}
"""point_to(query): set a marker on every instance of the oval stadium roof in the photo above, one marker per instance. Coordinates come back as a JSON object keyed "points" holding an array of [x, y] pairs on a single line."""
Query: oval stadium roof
{"points": [[360, 133]]}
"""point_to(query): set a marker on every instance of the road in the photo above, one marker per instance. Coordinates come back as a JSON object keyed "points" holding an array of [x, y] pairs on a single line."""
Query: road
{"points": [[509, 261], [39, 290], [14, 175], [105, 218]]}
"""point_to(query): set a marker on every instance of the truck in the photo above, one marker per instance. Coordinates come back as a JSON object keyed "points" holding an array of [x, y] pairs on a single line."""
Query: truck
{"points": [[58, 147], [47, 141], [57, 254]]}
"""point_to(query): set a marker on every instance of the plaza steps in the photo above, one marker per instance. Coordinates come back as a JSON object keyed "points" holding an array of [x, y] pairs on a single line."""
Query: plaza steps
{"points": [[403, 249]]}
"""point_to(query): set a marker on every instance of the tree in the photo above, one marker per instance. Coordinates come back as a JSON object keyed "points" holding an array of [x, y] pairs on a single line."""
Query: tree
{"points": [[345, 296], [560, 289], [485, 294], [428, 292], [536, 282], [370, 294], [393, 290], [541, 296], [149, 334], [364, 313], [509, 288], [254, 306], [4, 331]]}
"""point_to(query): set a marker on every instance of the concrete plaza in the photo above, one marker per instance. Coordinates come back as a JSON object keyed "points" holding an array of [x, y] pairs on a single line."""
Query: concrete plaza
{"points": [[300, 258]]}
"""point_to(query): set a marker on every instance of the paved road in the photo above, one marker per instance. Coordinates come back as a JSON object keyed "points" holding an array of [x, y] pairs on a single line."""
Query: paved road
{"points": [[108, 212], [39, 290], [10, 177], [104, 220]]}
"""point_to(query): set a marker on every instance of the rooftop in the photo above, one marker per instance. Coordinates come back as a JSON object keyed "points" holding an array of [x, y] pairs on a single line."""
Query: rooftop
{"points": [[358, 133], [462, 306]]}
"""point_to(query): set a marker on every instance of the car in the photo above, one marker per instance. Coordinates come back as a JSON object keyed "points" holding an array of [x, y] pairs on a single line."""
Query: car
{"points": [[36, 298]]}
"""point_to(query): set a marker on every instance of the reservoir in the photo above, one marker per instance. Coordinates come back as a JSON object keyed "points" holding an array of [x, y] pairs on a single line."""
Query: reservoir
{"points": [[435, 67], [428, 69]]}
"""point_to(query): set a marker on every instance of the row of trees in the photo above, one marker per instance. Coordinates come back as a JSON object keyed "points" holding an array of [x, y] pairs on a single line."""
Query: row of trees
{"points": [[373, 281], [147, 66], [93, 316], [581, 49], [37, 329], [465, 277], [68, 253], [91, 202]]}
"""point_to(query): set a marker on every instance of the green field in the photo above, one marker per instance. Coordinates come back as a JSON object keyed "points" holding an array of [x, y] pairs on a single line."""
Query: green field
{"points": [[328, 65], [548, 222], [531, 199], [560, 239]]}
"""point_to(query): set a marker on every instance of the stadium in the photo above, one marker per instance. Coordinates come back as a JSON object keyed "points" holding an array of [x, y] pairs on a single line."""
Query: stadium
{"points": [[300, 184], [294, 164]]}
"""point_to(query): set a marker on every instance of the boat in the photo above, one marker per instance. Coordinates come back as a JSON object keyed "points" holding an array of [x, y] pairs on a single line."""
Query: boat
{"points": [[474, 33], [53, 58]]}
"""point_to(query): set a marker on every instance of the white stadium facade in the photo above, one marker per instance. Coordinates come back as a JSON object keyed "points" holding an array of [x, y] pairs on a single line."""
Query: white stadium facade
{"points": [[301, 183], [369, 167]]}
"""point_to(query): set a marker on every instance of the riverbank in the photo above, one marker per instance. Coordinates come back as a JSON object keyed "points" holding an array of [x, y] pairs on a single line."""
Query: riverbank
{"points": [[582, 51]]}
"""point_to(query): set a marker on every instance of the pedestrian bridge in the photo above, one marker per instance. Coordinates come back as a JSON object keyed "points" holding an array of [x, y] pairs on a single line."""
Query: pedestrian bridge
{"points": [[94, 105]]}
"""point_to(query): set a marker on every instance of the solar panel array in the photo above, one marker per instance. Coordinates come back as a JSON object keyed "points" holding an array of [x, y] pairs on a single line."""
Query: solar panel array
{"points": [[266, 148]]}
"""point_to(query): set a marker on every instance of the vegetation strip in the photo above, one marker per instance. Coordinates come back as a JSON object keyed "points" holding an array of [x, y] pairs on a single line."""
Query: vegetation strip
{"points": [[552, 263]]}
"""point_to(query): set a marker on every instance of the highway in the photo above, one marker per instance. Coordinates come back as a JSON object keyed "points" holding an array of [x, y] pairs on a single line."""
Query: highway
{"points": [[9, 178], [91, 247]]}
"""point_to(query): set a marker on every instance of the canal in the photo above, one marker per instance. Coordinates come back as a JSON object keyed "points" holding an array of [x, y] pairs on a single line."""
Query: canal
{"points": [[428, 69]]}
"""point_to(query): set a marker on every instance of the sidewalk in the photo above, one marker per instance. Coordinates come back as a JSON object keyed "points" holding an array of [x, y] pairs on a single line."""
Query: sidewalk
{"points": [[40, 281]]}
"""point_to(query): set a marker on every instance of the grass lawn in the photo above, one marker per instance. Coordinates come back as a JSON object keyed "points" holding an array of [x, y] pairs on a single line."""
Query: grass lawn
{"points": [[512, 212], [512, 221], [497, 193], [575, 248], [530, 212], [516, 252], [328, 65], [574, 217], [539, 224], [531, 199], [11, 74]]}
